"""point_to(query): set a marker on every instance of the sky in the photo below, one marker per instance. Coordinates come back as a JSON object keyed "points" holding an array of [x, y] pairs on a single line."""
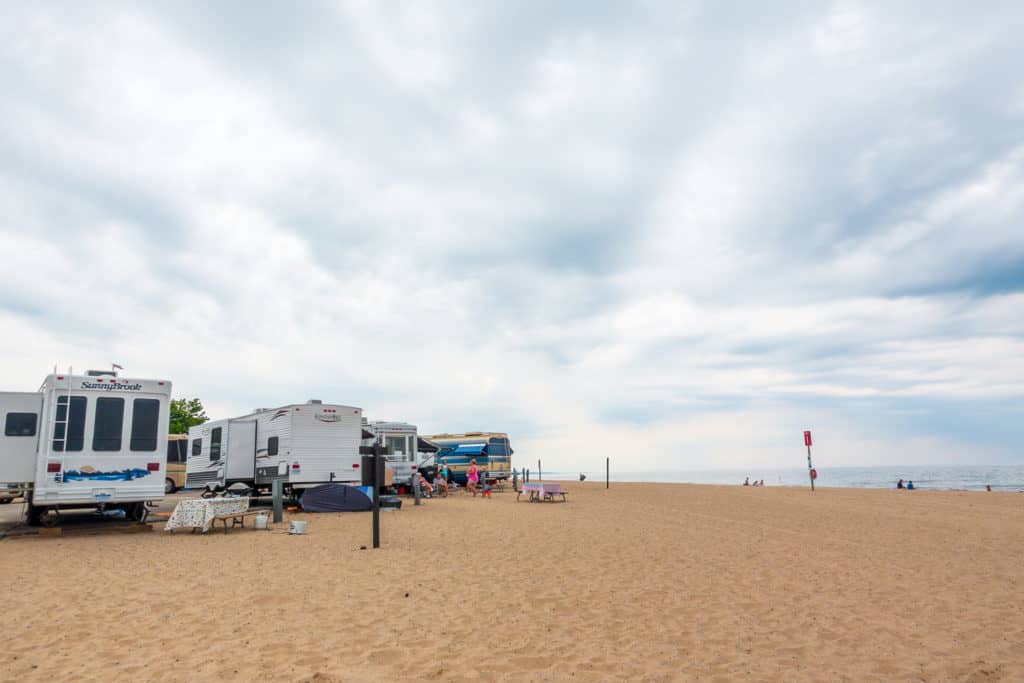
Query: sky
{"points": [[675, 234]]}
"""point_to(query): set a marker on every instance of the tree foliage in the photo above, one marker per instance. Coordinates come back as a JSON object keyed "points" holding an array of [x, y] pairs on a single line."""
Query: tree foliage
{"points": [[185, 413]]}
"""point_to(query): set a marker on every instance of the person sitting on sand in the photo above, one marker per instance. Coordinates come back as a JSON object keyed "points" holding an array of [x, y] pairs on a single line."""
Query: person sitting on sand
{"points": [[746, 482], [899, 484], [441, 484], [425, 486], [988, 487], [472, 476], [910, 486]]}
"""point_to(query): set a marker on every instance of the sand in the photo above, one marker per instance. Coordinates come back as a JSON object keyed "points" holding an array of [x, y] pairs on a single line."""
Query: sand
{"points": [[640, 582]]}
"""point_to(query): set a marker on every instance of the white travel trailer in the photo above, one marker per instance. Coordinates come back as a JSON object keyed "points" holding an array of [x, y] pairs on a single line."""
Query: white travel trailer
{"points": [[303, 444], [85, 441], [401, 446]]}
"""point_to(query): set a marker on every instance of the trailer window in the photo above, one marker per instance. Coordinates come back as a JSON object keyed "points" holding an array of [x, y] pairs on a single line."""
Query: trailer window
{"points": [[197, 447], [106, 427], [20, 424], [72, 426], [396, 444], [272, 445], [177, 450], [145, 424], [215, 444]]}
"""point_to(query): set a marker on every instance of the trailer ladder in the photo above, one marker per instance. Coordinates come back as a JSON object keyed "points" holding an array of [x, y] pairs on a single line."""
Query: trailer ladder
{"points": [[63, 440]]}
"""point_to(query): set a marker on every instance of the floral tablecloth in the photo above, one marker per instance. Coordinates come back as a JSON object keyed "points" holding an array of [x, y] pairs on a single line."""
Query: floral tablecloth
{"points": [[199, 513]]}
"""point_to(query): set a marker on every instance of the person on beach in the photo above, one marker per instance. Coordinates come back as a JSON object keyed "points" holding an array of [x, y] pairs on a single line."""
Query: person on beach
{"points": [[910, 486], [472, 477], [446, 473], [988, 487], [746, 482], [441, 484], [425, 486], [899, 484]]}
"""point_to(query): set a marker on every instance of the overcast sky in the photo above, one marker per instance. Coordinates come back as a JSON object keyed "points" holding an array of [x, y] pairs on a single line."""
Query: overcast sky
{"points": [[676, 234]]}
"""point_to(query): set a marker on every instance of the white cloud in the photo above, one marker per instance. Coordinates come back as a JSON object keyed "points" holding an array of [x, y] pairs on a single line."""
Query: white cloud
{"points": [[682, 237]]}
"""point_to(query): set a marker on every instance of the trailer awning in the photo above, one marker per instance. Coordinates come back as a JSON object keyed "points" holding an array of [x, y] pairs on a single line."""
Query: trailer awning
{"points": [[469, 449], [369, 435], [424, 446]]}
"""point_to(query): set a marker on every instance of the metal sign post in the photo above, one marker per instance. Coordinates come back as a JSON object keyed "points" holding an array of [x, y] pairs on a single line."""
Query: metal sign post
{"points": [[378, 460], [607, 471], [810, 467]]}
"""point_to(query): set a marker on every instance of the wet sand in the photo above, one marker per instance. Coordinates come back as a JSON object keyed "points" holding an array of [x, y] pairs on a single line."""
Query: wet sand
{"points": [[640, 582]]}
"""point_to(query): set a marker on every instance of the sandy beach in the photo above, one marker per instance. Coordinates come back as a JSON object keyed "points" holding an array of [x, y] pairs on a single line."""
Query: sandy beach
{"points": [[639, 582]]}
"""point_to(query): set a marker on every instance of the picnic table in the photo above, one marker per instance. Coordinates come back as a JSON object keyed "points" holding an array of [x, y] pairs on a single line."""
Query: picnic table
{"points": [[539, 491], [202, 513]]}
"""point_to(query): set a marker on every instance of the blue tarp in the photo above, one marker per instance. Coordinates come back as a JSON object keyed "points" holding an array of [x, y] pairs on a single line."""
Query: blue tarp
{"points": [[335, 498]]}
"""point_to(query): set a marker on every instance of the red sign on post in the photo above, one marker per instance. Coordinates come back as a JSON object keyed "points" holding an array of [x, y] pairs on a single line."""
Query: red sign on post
{"points": [[807, 439]]}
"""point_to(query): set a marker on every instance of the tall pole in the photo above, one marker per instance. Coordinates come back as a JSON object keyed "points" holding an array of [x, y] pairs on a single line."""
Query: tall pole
{"points": [[607, 471], [540, 474], [810, 470], [810, 467], [377, 461]]}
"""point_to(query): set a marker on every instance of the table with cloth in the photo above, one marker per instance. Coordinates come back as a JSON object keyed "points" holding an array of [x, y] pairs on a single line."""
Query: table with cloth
{"points": [[200, 513]]}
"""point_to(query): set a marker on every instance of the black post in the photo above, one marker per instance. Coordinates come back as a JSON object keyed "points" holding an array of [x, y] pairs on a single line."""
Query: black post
{"points": [[276, 487], [378, 459], [607, 470], [540, 474]]}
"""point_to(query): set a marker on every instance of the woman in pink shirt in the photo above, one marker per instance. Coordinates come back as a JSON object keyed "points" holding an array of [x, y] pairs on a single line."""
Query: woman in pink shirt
{"points": [[472, 477]]}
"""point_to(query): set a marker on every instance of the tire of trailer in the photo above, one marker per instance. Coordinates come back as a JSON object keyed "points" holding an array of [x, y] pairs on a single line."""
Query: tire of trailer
{"points": [[5, 501], [169, 486], [50, 517], [136, 511]]}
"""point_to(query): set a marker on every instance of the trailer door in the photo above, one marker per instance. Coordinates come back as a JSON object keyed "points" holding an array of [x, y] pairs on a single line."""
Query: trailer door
{"points": [[241, 451], [20, 420]]}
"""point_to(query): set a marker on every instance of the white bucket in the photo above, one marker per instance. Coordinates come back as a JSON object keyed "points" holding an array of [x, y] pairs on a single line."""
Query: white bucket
{"points": [[297, 527], [260, 521]]}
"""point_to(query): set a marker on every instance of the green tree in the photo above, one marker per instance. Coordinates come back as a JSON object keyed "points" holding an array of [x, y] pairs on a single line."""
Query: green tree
{"points": [[185, 413]]}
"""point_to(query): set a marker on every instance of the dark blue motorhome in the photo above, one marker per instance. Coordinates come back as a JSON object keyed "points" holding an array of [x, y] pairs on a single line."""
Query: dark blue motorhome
{"points": [[491, 450]]}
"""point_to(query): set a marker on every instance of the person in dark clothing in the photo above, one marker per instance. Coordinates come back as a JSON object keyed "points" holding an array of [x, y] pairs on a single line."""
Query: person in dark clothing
{"points": [[899, 484]]}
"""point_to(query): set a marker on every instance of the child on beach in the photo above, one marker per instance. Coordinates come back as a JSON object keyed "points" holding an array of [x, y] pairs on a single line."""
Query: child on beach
{"points": [[441, 484]]}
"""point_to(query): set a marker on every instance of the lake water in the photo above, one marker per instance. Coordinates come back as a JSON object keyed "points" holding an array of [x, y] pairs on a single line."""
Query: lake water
{"points": [[945, 477]]}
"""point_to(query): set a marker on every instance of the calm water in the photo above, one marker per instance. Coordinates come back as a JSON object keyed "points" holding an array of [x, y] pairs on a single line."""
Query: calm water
{"points": [[960, 477]]}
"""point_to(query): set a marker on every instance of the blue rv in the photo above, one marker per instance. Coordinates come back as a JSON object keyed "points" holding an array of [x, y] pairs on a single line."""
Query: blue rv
{"points": [[491, 450]]}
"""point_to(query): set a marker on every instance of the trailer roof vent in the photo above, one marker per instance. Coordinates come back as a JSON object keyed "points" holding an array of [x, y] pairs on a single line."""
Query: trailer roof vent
{"points": [[100, 373], [314, 402]]}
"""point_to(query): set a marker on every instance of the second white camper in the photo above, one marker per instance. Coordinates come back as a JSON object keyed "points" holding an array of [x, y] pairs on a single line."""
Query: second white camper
{"points": [[301, 444]]}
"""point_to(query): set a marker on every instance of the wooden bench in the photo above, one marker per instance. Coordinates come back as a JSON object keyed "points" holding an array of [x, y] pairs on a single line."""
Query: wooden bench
{"points": [[552, 490], [237, 518]]}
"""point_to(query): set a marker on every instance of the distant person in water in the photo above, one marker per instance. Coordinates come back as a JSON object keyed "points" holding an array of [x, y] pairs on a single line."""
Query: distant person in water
{"points": [[899, 484], [746, 482], [910, 486]]}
